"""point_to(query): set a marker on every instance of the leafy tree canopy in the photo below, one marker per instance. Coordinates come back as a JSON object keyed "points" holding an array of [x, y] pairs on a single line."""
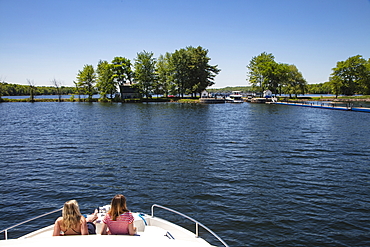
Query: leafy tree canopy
{"points": [[105, 79], [351, 76], [145, 75], [86, 79], [264, 73]]}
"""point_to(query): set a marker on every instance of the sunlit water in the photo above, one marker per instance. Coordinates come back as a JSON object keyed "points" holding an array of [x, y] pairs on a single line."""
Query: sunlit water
{"points": [[256, 174]]}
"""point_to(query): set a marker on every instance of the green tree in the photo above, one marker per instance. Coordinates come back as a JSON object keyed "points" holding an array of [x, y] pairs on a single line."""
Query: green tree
{"points": [[78, 90], [336, 85], [32, 88], [164, 83], [319, 88], [278, 76], [86, 79], [58, 87], [353, 75], [180, 70], [190, 70], [122, 72], [260, 69], [264, 73], [201, 74], [365, 82], [295, 84], [105, 79], [2, 89], [145, 75]]}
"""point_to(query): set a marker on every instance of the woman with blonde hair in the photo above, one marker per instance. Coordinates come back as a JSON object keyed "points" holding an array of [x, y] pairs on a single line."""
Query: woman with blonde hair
{"points": [[71, 222], [119, 220]]}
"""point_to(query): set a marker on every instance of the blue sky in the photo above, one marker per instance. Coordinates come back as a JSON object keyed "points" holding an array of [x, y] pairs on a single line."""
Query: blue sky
{"points": [[42, 40]]}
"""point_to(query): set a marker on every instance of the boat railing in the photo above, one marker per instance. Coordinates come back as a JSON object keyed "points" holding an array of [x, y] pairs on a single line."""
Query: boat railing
{"points": [[26, 221], [197, 223]]}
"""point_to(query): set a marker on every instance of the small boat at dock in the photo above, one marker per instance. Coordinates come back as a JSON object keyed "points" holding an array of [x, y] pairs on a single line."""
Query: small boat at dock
{"points": [[235, 97]]}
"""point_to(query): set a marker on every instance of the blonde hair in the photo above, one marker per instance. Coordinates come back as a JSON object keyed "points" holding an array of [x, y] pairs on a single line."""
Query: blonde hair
{"points": [[71, 214], [117, 206]]}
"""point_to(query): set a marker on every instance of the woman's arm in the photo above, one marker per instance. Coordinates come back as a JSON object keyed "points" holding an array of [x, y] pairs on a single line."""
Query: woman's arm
{"points": [[131, 229], [57, 230], [104, 229], [84, 230]]}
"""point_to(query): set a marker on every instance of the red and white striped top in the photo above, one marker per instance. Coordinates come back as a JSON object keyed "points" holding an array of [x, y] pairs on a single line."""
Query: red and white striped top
{"points": [[120, 225]]}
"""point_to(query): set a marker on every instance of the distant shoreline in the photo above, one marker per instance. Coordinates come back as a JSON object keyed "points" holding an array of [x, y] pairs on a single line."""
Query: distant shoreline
{"points": [[339, 99], [185, 99], [98, 100]]}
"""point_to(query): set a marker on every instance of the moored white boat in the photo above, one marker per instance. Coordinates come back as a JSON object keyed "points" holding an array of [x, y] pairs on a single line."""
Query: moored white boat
{"points": [[235, 97], [151, 231]]}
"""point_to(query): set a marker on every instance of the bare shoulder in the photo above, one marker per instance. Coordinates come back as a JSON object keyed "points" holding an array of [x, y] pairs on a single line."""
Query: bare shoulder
{"points": [[83, 219], [60, 219]]}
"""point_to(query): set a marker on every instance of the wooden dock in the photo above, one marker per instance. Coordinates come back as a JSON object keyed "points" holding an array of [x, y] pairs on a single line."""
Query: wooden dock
{"points": [[211, 100], [333, 106]]}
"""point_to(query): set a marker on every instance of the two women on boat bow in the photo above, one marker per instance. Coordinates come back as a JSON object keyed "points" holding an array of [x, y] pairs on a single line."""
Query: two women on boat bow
{"points": [[118, 221]]}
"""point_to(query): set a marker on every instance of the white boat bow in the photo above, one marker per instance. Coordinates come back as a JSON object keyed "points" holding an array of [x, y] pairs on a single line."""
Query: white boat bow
{"points": [[151, 231]]}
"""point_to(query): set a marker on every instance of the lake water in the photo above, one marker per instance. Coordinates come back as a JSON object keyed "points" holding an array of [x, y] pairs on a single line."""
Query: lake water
{"points": [[256, 174]]}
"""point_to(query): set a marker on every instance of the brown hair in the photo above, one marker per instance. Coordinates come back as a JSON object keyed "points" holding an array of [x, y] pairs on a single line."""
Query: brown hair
{"points": [[117, 206], [71, 214]]}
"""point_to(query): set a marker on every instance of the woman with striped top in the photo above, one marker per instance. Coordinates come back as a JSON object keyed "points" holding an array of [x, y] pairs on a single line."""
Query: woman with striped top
{"points": [[119, 220]]}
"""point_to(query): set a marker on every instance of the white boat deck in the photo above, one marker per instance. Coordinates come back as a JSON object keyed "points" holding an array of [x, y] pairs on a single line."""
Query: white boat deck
{"points": [[101, 240], [151, 231]]}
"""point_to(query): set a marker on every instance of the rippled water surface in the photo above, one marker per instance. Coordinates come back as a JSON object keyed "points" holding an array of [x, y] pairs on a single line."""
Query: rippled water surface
{"points": [[257, 175]]}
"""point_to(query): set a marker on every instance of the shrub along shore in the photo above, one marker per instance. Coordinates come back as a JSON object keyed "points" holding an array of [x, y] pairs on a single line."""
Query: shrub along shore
{"points": [[365, 98], [154, 99]]}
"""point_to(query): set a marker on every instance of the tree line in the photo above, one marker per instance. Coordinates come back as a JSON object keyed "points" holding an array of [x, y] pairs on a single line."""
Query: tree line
{"points": [[264, 73], [187, 71], [10, 89], [349, 77], [184, 72]]}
